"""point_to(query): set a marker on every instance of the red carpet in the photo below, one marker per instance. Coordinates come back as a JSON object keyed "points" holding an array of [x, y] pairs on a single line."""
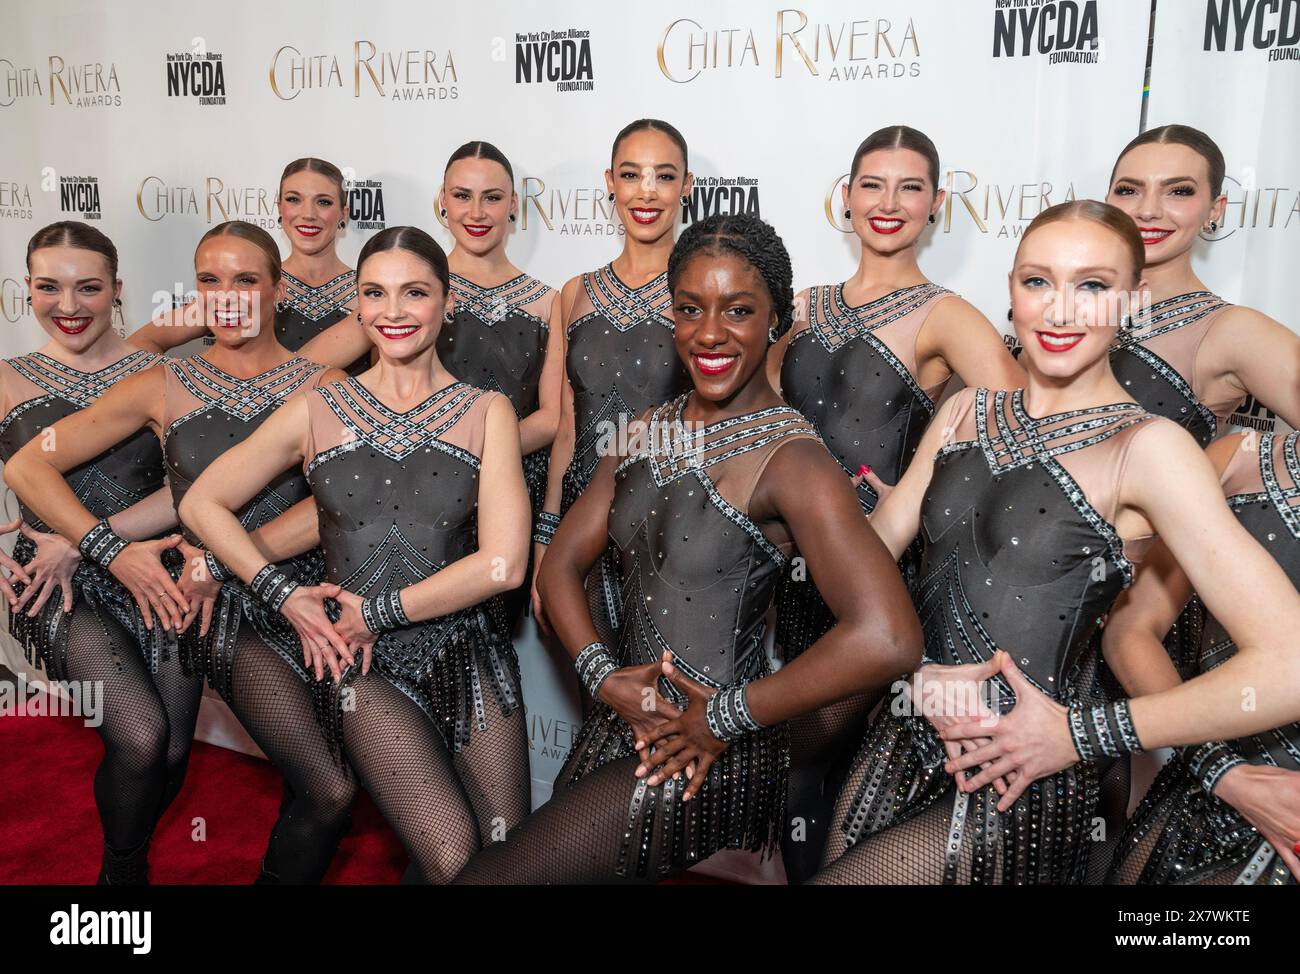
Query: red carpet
{"points": [[50, 834], [51, 830]]}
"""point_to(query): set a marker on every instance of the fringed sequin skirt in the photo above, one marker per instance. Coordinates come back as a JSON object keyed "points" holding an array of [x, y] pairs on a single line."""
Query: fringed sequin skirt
{"points": [[453, 668], [1200, 838], [1043, 838], [740, 806], [213, 654], [44, 637]]}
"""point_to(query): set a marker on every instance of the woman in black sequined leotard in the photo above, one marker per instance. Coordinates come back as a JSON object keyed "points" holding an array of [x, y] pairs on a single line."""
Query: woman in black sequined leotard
{"points": [[865, 362], [1197, 822], [428, 707], [201, 407], [319, 289], [703, 506], [1035, 504], [1190, 355], [618, 335], [74, 617]]}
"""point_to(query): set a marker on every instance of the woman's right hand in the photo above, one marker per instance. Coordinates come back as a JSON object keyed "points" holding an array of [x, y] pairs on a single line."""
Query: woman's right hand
{"points": [[634, 696], [539, 611], [322, 646], [1269, 798], [199, 587], [139, 567], [865, 475], [52, 567]]}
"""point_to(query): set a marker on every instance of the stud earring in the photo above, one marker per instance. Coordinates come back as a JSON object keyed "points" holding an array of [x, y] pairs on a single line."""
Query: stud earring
{"points": [[1009, 318], [342, 224], [511, 218], [442, 212], [1214, 225], [931, 217], [772, 336], [279, 306], [277, 221], [358, 317], [611, 197], [848, 214], [685, 202], [117, 302], [29, 300]]}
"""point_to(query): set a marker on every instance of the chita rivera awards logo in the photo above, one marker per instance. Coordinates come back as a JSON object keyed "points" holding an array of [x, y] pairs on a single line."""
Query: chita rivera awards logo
{"points": [[1065, 31], [13, 303], [198, 74], [15, 200], [213, 201], [717, 195], [92, 84], [578, 211], [79, 197], [559, 57], [1265, 25], [794, 46], [397, 74], [998, 207]]}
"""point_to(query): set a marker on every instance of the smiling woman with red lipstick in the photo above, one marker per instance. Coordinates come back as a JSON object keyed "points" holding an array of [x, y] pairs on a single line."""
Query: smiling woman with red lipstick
{"points": [[1035, 505], [319, 289], [1190, 355], [418, 553], [501, 330], [685, 752], [617, 333], [866, 362], [78, 617], [201, 407]]}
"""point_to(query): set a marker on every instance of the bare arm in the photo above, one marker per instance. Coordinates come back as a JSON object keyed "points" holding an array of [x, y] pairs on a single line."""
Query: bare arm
{"points": [[877, 636], [1257, 356], [339, 345], [36, 472], [169, 330], [565, 433], [537, 429], [293, 532], [967, 345]]}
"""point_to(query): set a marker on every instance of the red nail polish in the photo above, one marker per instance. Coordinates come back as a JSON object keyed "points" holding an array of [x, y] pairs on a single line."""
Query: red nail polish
{"points": [[863, 470]]}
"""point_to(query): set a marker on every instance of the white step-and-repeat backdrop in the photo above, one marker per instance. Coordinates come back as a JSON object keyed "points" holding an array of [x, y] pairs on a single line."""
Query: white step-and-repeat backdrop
{"points": [[157, 120]]}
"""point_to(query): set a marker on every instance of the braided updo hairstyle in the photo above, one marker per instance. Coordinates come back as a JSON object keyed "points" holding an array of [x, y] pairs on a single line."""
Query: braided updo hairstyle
{"points": [[750, 239]]}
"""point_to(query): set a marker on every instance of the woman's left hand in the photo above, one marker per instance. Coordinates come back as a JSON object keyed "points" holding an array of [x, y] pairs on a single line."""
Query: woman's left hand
{"points": [[684, 743], [353, 629], [1269, 798], [52, 567], [1031, 741]]}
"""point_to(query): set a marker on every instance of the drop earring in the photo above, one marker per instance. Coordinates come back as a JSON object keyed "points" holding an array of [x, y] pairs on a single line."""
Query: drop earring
{"points": [[342, 224], [772, 337], [685, 202]]}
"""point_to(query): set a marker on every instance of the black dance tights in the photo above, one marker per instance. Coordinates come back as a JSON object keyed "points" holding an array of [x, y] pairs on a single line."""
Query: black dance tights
{"points": [[576, 837], [275, 707], [147, 726]]}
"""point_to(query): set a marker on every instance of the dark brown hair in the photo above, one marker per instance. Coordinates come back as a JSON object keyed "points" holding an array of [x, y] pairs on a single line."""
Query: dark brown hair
{"points": [[255, 235], [482, 150], [326, 169], [1194, 139], [650, 125], [900, 137], [414, 241], [71, 233], [1093, 211]]}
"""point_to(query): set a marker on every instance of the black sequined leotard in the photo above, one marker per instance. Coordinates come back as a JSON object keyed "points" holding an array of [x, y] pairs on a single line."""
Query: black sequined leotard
{"points": [[697, 579], [495, 338], [308, 310], [1020, 554], [852, 371], [1155, 361], [207, 412], [1180, 834], [39, 392], [621, 361], [398, 499]]}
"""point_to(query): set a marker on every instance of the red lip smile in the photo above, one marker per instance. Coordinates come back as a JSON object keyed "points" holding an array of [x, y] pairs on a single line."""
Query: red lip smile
{"points": [[714, 364], [71, 326], [1059, 341]]}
